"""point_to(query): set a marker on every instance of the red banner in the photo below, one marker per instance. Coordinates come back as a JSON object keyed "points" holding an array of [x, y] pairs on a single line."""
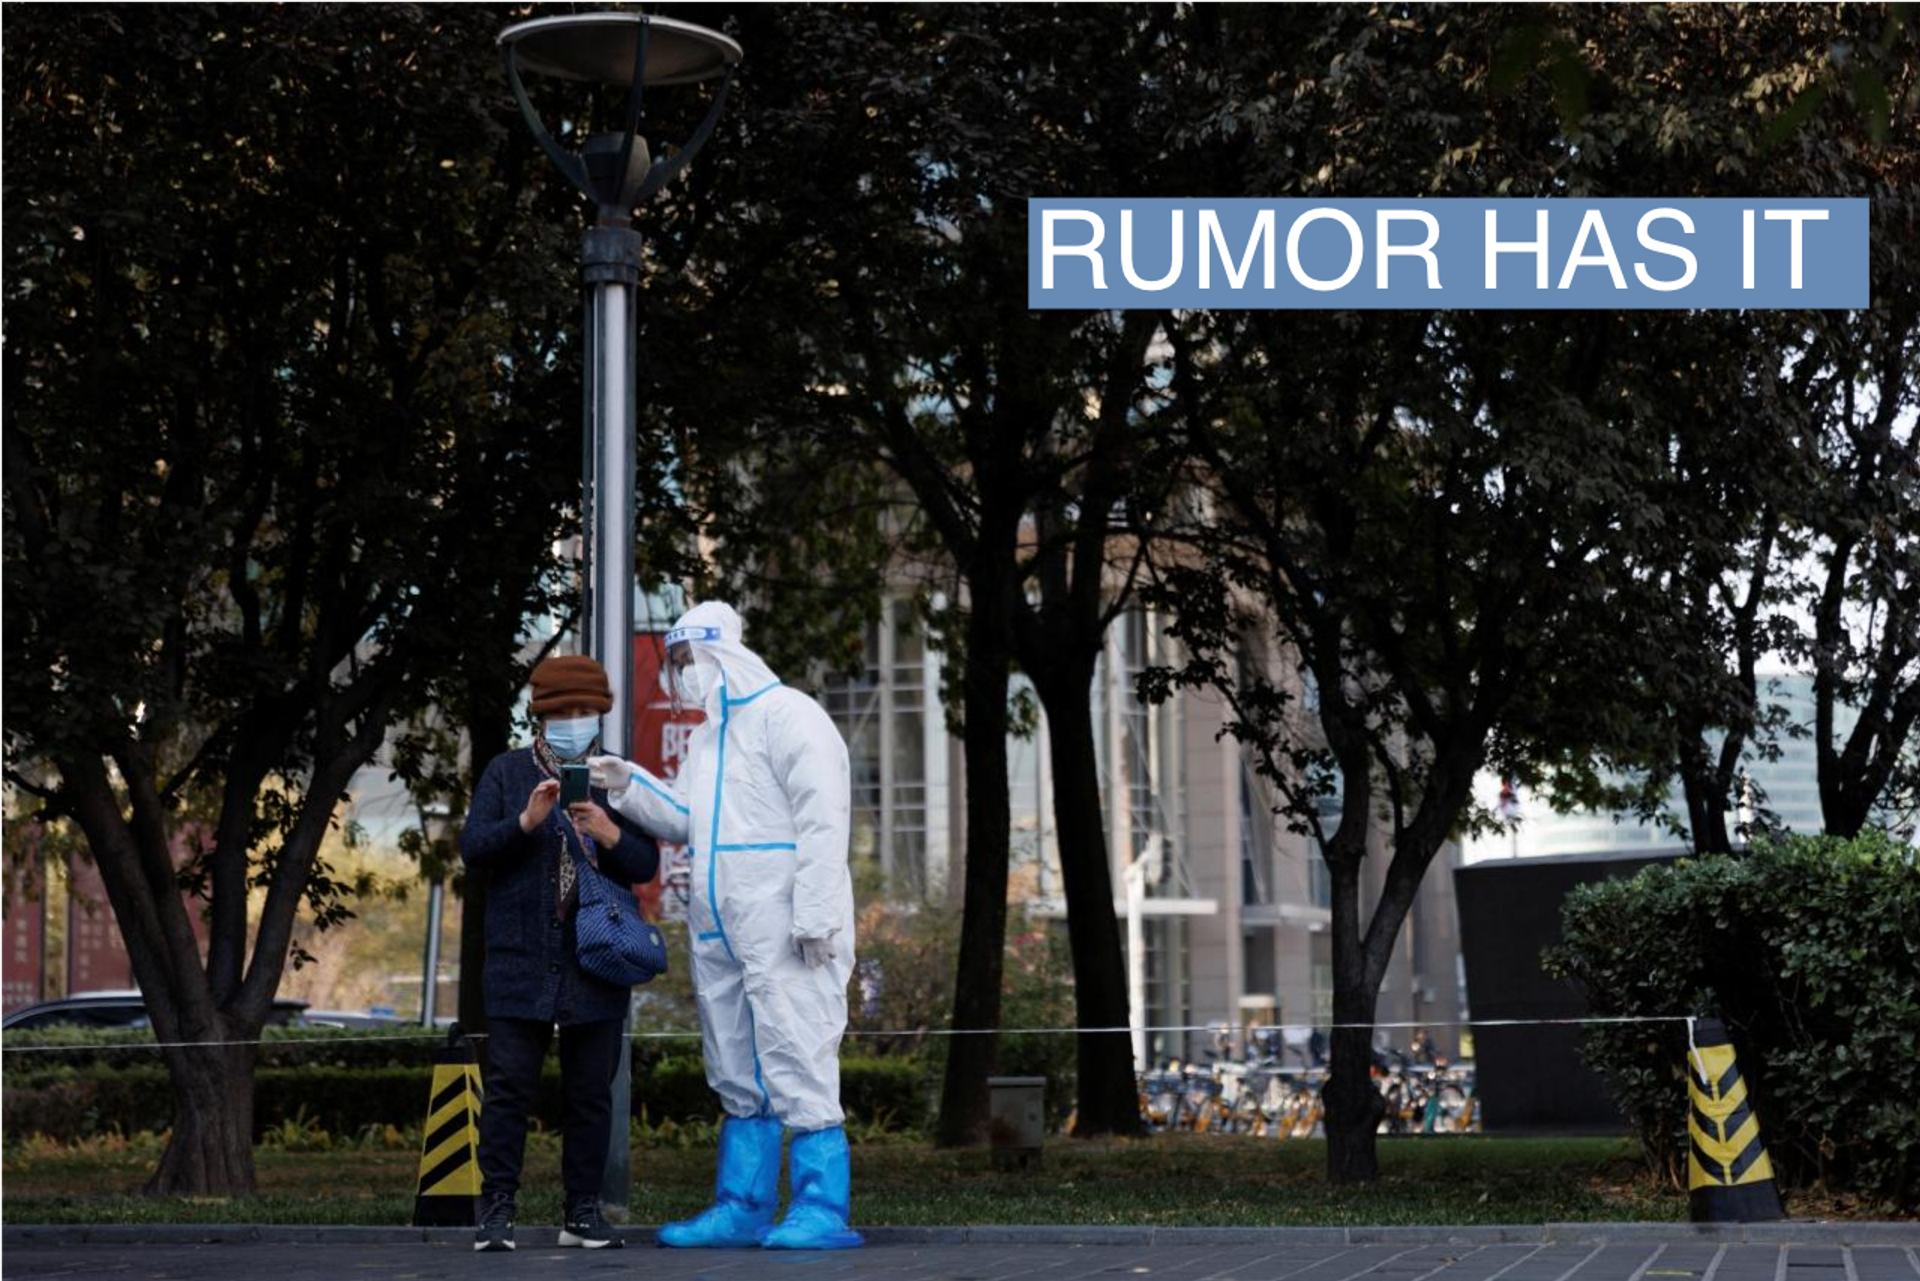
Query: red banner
{"points": [[659, 742]]}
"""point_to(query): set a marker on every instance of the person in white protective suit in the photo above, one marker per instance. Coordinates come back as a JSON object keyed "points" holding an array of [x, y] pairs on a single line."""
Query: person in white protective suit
{"points": [[763, 798]]}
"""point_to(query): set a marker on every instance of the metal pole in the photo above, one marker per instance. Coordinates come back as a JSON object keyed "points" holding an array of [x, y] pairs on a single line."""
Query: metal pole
{"points": [[890, 870], [610, 272], [430, 979], [1136, 881]]}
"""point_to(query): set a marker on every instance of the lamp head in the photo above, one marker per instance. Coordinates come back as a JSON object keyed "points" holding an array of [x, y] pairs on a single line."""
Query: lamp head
{"points": [[616, 170], [602, 154]]}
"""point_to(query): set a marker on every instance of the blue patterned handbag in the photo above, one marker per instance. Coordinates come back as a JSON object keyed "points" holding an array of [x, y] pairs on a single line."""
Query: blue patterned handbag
{"points": [[615, 943]]}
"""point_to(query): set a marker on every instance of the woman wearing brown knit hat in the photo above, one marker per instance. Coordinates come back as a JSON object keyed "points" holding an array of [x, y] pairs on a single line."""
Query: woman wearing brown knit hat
{"points": [[526, 844]]}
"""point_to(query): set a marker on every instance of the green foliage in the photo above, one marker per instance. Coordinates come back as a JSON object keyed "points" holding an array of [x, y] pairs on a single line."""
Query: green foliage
{"points": [[645, 1132], [401, 1045], [299, 1108], [1039, 994], [255, 433], [289, 443], [907, 961], [1809, 948], [1170, 1179], [297, 1133]]}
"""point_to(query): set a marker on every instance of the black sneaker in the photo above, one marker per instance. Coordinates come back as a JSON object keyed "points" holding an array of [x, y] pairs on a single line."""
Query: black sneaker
{"points": [[496, 1224], [587, 1228]]}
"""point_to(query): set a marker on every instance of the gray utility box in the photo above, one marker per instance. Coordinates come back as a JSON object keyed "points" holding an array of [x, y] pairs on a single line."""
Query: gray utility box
{"points": [[1016, 1119]]}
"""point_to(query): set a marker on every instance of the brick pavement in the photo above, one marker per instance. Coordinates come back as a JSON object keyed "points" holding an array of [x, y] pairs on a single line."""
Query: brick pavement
{"points": [[1592, 1253]]}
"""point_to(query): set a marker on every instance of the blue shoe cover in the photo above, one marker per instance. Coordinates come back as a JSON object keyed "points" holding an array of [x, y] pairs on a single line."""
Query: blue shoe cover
{"points": [[817, 1219], [746, 1189]]}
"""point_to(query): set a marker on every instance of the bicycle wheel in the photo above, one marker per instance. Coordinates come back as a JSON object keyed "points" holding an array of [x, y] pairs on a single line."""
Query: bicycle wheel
{"points": [[1453, 1110]]}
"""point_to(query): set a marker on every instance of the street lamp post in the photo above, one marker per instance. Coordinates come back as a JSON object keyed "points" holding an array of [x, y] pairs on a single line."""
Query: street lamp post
{"points": [[616, 171], [433, 820]]}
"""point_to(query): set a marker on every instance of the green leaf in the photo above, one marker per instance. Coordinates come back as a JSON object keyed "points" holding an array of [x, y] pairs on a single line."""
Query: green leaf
{"points": [[1897, 15], [1782, 126], [1568, 76], [1870, 95], [1517, 56]]}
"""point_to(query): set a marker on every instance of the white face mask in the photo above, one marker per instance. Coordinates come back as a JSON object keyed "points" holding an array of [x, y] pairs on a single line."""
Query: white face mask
{"points": [[570, 739], [694, 681]]}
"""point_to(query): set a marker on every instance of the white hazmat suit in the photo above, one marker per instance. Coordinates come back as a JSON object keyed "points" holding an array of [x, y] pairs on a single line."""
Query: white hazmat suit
{"points": [[763, 800]]}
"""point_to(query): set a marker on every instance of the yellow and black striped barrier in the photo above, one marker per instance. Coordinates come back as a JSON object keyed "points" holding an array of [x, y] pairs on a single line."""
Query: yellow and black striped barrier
{"points": [[1729, 1178], [450, 1151]]}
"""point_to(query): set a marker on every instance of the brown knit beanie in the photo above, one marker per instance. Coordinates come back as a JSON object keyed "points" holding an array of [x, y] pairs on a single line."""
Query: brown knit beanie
{"points": [[570, 680]]}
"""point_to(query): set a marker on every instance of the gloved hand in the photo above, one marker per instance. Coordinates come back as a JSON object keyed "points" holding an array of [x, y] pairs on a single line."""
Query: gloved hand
{"points": [[815, 952], [610, 773]]}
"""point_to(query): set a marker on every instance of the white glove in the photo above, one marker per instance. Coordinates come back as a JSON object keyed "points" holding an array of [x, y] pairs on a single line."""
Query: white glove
{"points": [[610, 774], [815, 952]]}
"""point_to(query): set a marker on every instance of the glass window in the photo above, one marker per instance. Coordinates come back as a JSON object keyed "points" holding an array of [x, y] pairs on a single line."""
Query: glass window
{"points": [[1257, 965], [882, 713], [1319, 881], [1255, 854], [1149, 744], [1169, 992], [1035, 854]]}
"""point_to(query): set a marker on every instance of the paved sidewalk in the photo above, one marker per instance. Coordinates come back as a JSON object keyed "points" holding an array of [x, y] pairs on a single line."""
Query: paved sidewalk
{"points": [[1659, 1253]]}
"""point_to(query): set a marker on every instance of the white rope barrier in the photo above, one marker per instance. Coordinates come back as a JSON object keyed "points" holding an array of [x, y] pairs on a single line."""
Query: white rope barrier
{"points": [[683, 1034]]}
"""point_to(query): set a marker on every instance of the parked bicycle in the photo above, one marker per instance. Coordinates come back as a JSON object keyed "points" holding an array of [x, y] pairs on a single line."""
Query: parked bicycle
{"points": [[1265, 1096]]}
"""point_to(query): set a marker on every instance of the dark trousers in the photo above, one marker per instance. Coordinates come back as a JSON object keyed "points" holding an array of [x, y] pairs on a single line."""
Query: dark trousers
{"points": [[589, 1056]]}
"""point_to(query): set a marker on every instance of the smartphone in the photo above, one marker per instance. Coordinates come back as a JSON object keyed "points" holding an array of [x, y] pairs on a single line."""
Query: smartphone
{"points": [[573, 784]]}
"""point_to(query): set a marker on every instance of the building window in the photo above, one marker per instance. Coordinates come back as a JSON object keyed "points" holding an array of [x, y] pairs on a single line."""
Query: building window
{"points": [[1255, 856], [905, 831], [883, 713], [1140, 754], [1319, 880], [1169, 992], [1257, 962], [1035, 853]]}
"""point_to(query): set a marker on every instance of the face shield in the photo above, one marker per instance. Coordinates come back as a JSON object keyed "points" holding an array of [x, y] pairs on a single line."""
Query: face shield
{"points": [[690, 671]]}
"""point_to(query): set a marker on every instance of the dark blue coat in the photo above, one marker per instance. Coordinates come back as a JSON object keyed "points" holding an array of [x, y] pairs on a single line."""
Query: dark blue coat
{"points": [[531, 970]]}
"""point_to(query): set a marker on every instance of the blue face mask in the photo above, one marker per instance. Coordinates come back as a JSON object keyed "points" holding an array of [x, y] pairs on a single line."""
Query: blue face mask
{"points": [[570, 739]]}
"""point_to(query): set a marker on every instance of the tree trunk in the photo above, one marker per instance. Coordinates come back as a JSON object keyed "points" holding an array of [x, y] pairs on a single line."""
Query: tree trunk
{"points": [[1353, 1106], [1706, 810], [210, 1145], [210, 1148], [983, 922], [1109, 1095]]}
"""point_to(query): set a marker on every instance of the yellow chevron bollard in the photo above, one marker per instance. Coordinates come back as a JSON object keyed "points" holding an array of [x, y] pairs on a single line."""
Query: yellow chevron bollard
{"points": [[1729, 1178], [450, 1151]]}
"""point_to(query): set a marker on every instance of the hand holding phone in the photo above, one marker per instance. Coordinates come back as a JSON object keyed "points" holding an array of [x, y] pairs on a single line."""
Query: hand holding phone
{"points": [[539, 803]]}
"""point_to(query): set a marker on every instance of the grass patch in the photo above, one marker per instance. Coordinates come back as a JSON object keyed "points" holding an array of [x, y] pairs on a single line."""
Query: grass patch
{"points": [[1222, 1180], [1169, 1179]]}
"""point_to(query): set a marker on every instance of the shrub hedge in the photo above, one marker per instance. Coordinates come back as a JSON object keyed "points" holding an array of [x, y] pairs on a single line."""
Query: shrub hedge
{"points": [[73, 1102], [1809, 948], [399, 1045]]}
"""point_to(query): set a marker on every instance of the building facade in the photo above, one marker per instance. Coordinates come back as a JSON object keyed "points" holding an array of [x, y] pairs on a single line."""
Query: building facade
{"points": [[1231, 926]]}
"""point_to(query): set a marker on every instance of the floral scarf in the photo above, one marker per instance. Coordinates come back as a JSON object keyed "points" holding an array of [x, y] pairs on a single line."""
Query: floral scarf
{"points": [[566, 888]]}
